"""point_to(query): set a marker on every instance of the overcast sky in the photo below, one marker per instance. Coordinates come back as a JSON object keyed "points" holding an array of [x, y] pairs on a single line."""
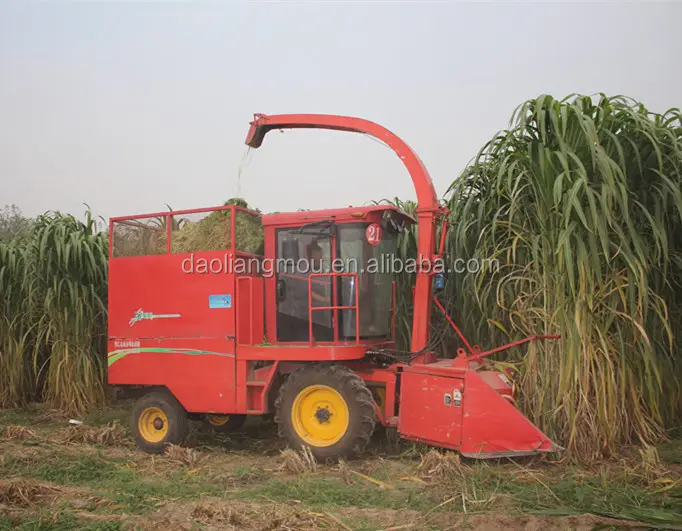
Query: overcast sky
{"points": [[128, 106]]}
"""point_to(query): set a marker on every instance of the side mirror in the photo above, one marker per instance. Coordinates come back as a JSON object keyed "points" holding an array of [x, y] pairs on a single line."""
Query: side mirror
{"points": [[398, 227], [281, 290]]}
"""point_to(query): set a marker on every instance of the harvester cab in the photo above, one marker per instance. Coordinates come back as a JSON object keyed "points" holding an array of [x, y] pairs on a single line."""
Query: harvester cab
{"points": [[333, 281], [289, 315]]}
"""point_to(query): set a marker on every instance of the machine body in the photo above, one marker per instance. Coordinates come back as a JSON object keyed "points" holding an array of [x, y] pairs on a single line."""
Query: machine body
{"points": [[220, 332]]}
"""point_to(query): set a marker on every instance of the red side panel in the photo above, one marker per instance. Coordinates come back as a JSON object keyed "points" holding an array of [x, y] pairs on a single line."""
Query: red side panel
{"points": [[465, 410], [428, 410], [249, 309], [172, 323], [493, 427], [202, 377], [175, 289]]}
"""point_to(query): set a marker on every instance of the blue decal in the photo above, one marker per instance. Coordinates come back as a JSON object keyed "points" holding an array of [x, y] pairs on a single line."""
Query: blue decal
{"points": [[220, 301]]}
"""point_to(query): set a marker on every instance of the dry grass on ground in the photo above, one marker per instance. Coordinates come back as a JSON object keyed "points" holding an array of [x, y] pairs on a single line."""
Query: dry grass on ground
{"points": [[111, 435], [90, 476]]}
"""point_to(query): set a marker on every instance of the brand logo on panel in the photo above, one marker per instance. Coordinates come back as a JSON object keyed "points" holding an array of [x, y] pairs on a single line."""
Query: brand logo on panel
{"points": [[148, 316]]}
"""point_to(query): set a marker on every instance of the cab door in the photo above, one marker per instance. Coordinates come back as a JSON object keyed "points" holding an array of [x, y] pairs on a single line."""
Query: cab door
{"points": [[296, 253]]}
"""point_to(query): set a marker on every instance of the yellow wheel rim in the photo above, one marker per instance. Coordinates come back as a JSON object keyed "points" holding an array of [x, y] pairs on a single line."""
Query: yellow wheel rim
{"points": [[218, 420], [153, 424], [320, 416]]}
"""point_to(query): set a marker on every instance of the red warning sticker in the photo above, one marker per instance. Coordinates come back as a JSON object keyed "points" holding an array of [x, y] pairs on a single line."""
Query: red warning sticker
{"points": [[373, 234]]}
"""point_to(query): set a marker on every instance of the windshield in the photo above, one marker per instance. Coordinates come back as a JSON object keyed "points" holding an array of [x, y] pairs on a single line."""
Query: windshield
{"points": [[373, 264]]}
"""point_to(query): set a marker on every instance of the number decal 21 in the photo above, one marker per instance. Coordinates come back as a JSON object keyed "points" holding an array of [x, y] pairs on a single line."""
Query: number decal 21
{"points": [[373, 234]]}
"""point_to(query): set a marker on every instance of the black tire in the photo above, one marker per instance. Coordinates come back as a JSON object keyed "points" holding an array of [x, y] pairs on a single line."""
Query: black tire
{"points": [[173, 430], [355, 395], [233, 422]]}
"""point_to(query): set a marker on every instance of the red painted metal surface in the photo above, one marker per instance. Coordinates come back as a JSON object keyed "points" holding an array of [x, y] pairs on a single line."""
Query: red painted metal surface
{"points": [[178, 301], [354, 214], [428, 211], [466, 410], [164, 332], [258, 387], [493, 427], [178, 334], [386, 378], [434, 418], [249, 295], [201, 378], [294, 220], [374, 234], [304, 352]]}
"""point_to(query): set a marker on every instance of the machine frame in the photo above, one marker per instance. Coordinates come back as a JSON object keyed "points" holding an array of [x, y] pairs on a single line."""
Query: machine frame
{"points": [[208, 344]]}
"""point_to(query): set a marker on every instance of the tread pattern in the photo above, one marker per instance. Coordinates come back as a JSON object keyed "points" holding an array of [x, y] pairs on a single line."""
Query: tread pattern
{"points": [[356, 393], [177, 418]]}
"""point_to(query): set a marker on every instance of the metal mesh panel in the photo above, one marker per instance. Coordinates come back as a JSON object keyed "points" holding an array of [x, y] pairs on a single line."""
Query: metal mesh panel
{"points": [[139, 237], [201, 231], [250, 233], [190, 233]]}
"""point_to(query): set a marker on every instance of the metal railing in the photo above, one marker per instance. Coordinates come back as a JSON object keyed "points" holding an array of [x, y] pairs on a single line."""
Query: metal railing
{"points": [[335, 307]]}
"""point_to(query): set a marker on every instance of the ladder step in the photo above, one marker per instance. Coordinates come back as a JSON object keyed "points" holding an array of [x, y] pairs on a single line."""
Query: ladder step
{"points": [[255, 383]]}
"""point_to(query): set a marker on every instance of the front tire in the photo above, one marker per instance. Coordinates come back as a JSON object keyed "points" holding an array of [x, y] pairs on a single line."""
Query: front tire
{"points": [[158, 420], [327, 408]]}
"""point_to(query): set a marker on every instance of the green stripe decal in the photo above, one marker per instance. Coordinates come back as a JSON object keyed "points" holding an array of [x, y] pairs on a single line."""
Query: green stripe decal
{"points": [[116, 355]]}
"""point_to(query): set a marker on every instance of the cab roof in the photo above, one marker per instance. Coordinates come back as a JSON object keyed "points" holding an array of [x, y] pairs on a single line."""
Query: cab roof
{"points": [[350, 214]]}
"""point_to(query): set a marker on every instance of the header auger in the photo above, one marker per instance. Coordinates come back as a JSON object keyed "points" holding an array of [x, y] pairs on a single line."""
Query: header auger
{"points": [[293, 339]]}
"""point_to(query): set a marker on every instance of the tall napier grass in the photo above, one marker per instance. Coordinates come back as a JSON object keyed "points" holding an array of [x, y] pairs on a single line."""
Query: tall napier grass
{"points": [[53, 314], [16, 383], [580, 202]]}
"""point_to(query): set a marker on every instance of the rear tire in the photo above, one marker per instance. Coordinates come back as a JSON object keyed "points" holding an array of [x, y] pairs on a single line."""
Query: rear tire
{"points": [[158, 420], [224, 423], [327, 408]]}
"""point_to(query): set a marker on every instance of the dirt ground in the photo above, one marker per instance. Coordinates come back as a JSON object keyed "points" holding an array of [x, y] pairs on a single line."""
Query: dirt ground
{"points": [[56, 476]]}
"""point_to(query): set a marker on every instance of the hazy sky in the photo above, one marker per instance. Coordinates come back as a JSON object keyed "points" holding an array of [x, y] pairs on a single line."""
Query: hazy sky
{"points": [[127, 106]]}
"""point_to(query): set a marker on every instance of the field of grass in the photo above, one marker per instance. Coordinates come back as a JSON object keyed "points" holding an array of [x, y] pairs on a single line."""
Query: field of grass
{"points": [[56, 476]]}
